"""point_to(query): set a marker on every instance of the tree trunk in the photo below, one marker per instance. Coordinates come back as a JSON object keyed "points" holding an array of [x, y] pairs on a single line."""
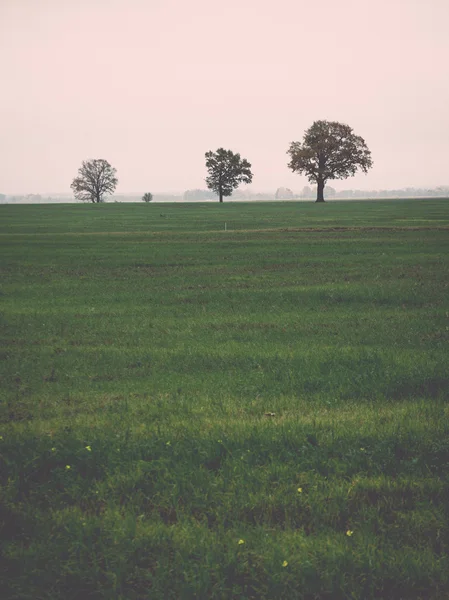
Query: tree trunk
{"points": [[320, 191], [221, 195]]}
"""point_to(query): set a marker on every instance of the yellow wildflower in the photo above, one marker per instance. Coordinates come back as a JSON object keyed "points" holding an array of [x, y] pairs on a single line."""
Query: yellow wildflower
{"points": [[299, 490], [68, 467], [285, 563], [88, 448], [349, 533], [241, 542]]}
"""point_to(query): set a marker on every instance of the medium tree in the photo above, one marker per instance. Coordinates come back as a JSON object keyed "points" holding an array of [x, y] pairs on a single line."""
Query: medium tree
{"points": [[96, 178], [226, 172], [148, 197], [329, 150]]}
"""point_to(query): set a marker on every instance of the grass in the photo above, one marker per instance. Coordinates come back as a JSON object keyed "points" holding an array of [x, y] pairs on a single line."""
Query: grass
{"points": [[143, 345]]}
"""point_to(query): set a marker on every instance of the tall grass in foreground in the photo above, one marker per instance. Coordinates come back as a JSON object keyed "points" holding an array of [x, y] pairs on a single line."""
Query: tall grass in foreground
{"points": [[193, 413]]}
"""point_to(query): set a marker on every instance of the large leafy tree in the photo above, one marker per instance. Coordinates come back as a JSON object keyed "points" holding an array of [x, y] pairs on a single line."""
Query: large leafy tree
{"points": [[226, 172], [329, 150], [96, 179]]}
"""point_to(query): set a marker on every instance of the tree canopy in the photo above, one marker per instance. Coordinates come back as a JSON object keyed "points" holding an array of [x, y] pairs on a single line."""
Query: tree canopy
{"points": [[148, 197], [226, 172], [96, 179], [329, 150]]}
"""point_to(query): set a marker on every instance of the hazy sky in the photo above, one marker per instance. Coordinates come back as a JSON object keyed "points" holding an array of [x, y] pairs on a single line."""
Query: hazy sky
{"points": [[151, 85]]}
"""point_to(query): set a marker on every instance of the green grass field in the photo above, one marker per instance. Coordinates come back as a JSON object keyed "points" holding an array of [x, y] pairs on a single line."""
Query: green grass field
{"points": [[143, 345]]}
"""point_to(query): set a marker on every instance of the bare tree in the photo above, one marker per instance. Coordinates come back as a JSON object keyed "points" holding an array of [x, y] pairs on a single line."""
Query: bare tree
{"points": [[96, 178]]}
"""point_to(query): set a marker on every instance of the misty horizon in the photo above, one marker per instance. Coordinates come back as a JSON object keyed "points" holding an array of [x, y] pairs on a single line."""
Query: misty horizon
{"points": [[242, 190], [239, 195]]}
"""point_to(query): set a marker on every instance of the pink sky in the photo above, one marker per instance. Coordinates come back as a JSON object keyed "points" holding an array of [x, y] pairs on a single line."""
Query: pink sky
{"points": [[151, 85]]}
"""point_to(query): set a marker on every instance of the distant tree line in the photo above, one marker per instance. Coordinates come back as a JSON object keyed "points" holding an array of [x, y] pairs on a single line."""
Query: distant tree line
{"points": [[307, 193], [192, 195]]}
